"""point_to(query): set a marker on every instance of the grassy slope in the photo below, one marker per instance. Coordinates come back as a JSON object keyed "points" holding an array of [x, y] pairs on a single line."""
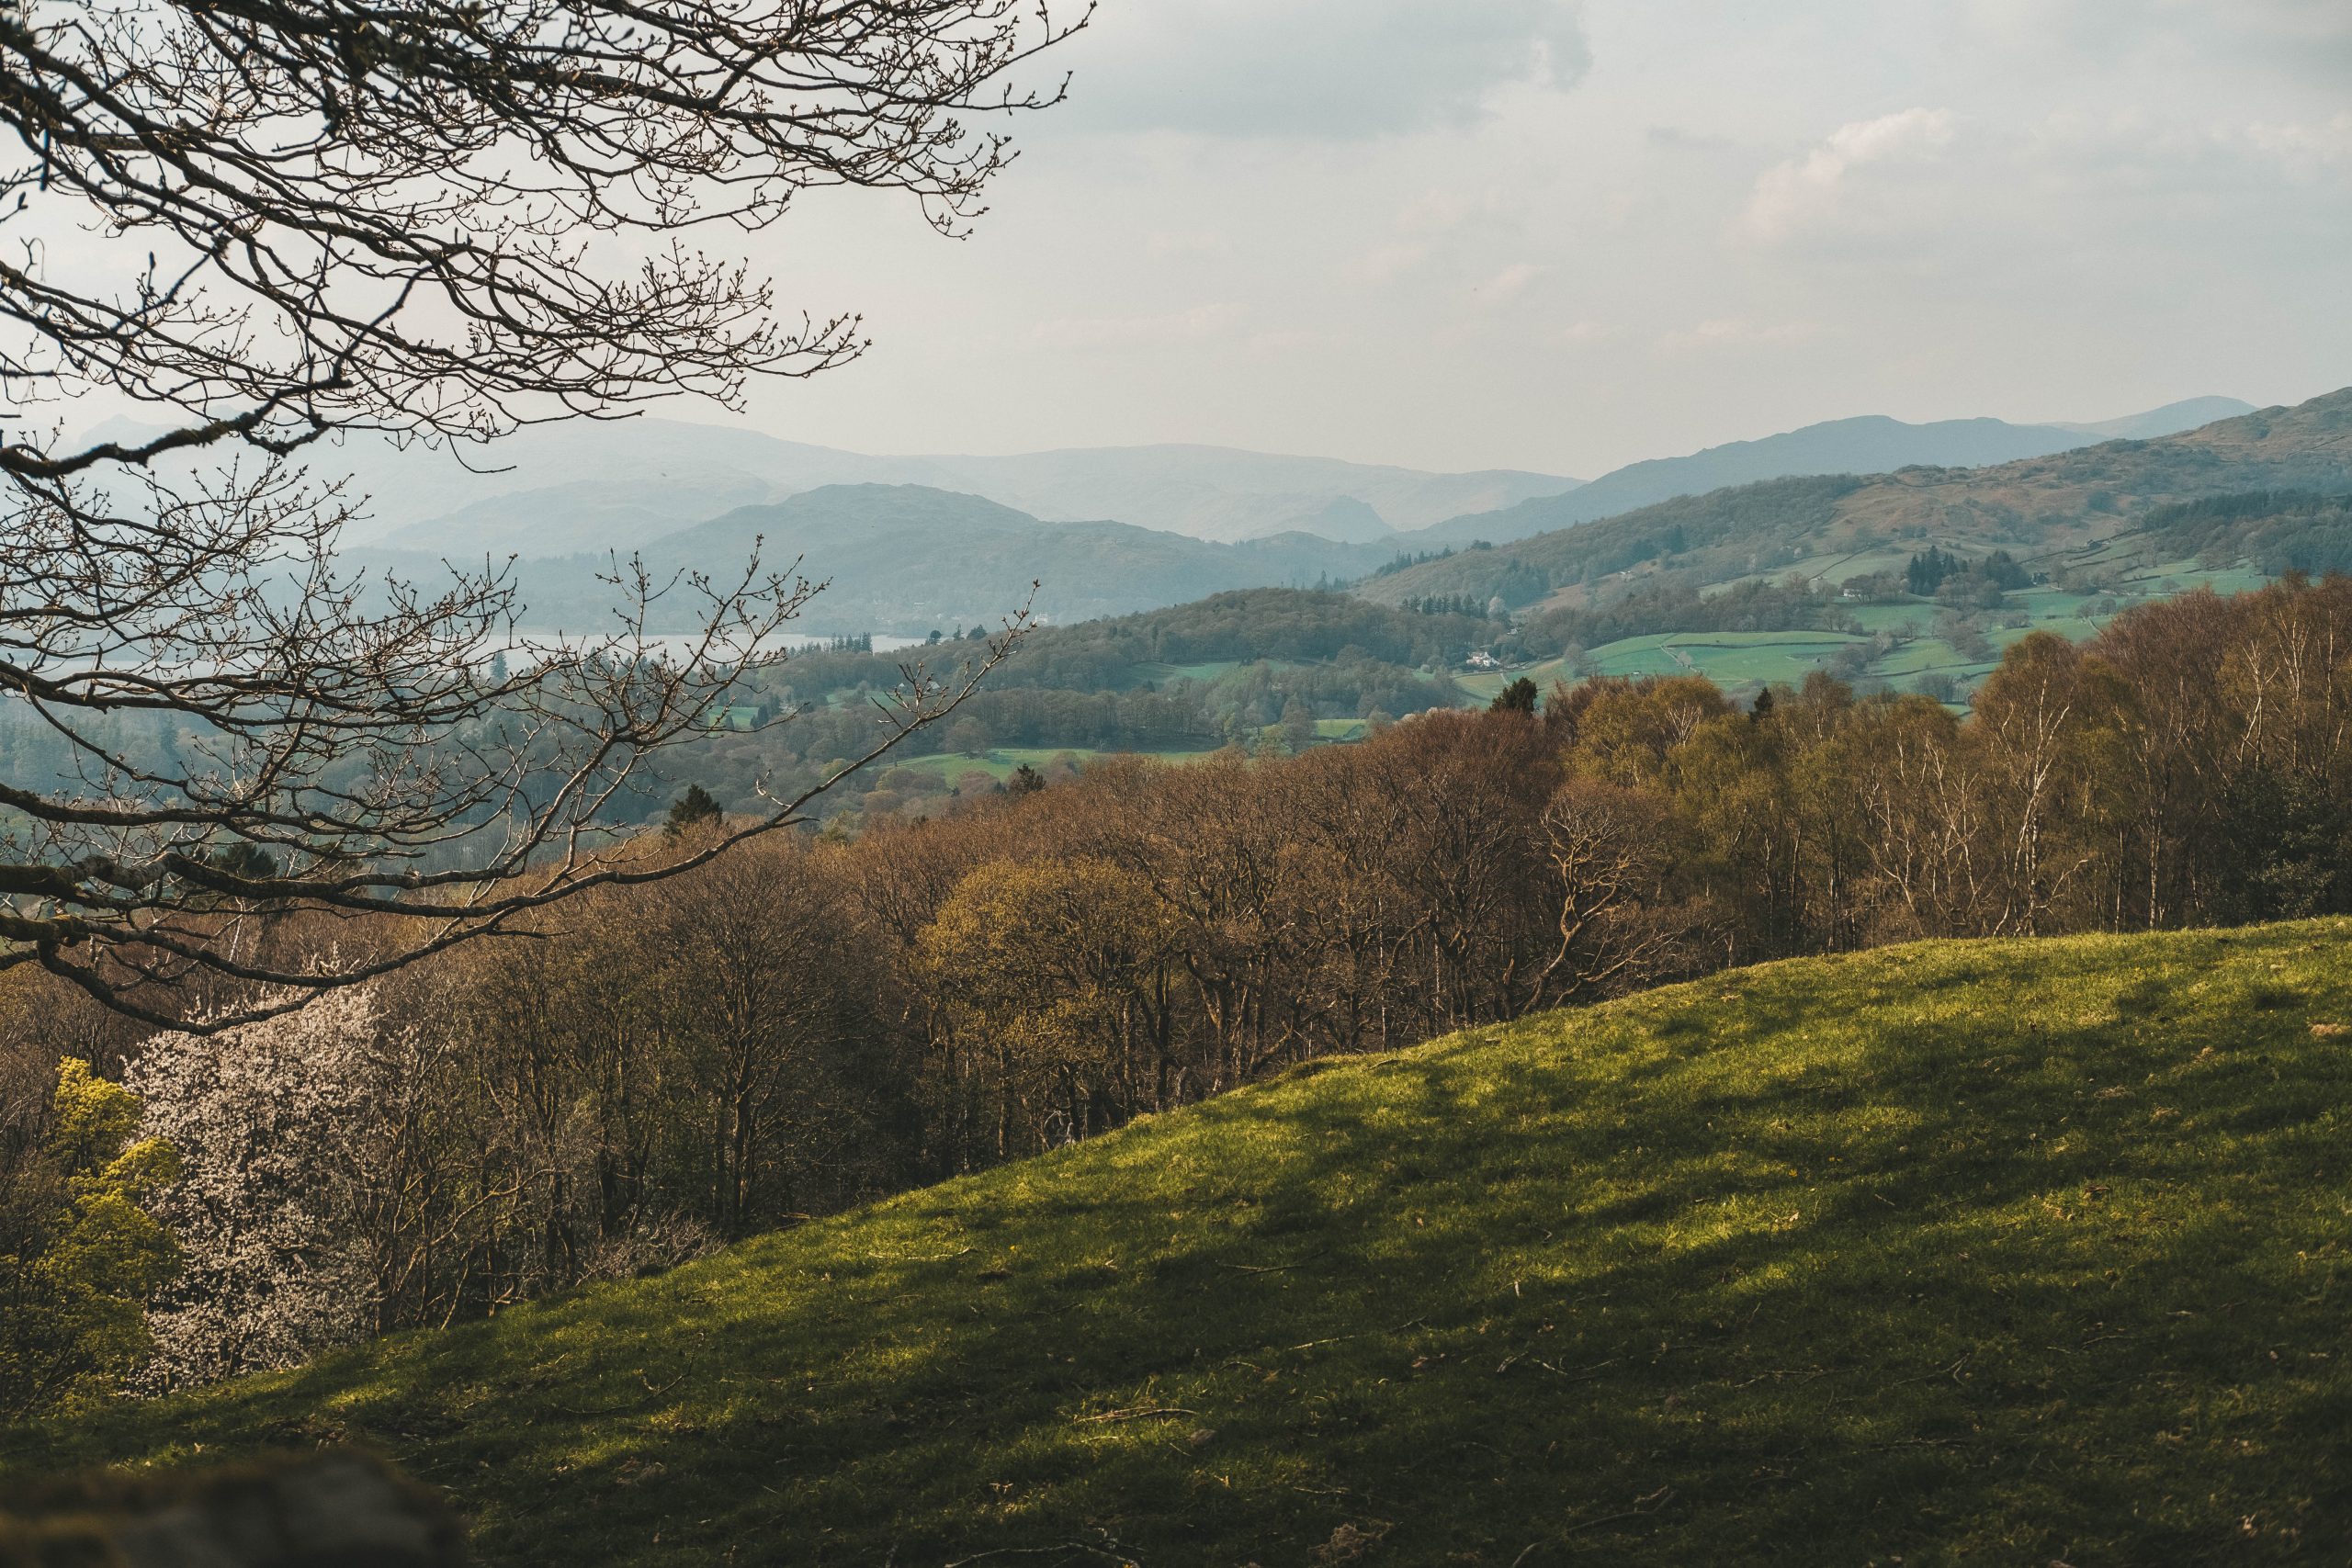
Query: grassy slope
{"points": [[1999, 1251], [1739, 659]]}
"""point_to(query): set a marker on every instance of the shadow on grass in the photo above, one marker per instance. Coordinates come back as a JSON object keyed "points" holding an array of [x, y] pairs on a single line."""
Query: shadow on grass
{"points": [[2020, 1252]]}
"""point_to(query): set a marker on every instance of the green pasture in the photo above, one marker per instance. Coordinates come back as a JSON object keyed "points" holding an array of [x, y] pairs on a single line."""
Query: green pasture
{"points": [[2019, 1252]]}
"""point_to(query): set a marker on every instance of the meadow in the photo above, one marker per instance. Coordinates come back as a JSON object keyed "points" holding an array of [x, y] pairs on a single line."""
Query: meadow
{"points": [[2011, 1251]]}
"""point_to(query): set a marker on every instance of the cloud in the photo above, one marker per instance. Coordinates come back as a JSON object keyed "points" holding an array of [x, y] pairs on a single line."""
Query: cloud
{"points": [[1388, 263], [1323, 69], [1807, 190], [2305, 146], [1508, 284], [2140, 170], [2297, 38]]}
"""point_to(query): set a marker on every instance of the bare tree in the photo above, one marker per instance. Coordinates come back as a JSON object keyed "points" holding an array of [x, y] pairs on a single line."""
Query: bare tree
{"points": [[430, 221], [1605, 844]]}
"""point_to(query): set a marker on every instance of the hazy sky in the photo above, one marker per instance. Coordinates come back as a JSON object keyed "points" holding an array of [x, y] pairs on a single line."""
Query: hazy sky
{"points": [[1553, 235]]}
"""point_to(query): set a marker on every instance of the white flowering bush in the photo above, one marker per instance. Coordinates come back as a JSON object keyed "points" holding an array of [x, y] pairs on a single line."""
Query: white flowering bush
{"points": [[271, 1122]]}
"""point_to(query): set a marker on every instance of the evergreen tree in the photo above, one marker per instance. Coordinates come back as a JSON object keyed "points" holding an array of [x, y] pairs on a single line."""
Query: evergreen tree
{"points": [[1516, 697], [693, 809]]}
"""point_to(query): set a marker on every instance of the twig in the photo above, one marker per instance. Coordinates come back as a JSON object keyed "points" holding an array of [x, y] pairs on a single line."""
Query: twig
{"points": [[1806, 1373], [1641, 1505], [1138, 1413], [1271, 1268], [1582, 1374], [626, 1407], [1952, 1371]]}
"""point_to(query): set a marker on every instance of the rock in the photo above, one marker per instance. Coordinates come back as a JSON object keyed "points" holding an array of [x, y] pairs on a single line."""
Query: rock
{"points": [[338, 1509]]}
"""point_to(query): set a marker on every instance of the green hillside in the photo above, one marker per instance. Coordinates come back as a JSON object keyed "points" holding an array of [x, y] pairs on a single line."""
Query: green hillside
{"points": [[2046, 508], [1871, 444], [2008, 1252]]}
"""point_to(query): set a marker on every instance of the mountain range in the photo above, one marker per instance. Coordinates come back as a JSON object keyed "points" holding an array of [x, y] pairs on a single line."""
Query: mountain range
{"points": [[2040, 509], [1870, 444], [908, 543], [556, 490], [550, 490], [588, 485], [907, 559]]}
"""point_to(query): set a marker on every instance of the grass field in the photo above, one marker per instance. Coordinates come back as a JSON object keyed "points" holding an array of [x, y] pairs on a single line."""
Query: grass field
{"points": [[1729, 659], [1484, 685], [2011, 1253], [1744, 660]]}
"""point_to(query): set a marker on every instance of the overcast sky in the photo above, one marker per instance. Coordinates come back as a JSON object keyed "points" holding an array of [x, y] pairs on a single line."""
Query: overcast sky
{"points": [[1553, 235]]}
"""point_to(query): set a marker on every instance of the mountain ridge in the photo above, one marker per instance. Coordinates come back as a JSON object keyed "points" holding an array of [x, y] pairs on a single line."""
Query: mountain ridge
{"points": [[1865, 444], [909, 559], [2046, 505], [553, 489]]}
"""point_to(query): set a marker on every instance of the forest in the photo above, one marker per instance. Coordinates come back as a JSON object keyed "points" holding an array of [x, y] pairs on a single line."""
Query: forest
{"points": [[2280, 531], [644, 1073]]}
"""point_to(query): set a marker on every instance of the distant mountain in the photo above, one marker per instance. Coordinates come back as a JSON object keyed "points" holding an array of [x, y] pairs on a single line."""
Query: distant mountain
{"points": [[907, 559], [1870, 444], [2169, 420], [1215, 492], [604, 484], [2040, 508], [619, 514], [589, 484]]}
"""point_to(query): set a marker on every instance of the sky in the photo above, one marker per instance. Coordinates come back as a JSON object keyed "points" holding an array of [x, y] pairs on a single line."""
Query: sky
{"points": [[1562, 235]]}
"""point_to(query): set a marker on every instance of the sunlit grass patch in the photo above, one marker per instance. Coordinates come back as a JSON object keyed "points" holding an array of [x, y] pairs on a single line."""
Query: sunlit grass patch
{"points": [[1965, 1251]]}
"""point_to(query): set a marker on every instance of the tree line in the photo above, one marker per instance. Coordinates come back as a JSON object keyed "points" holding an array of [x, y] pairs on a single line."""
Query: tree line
{"points": [[813, 1021]]}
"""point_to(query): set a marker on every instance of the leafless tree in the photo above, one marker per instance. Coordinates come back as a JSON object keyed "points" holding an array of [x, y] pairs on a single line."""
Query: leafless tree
{"points": [[1604, 844], [423, 222]]}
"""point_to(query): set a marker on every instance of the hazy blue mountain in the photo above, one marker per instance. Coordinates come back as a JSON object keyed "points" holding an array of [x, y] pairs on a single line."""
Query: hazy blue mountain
{"points": [[1217, 493], [905, 558], [2170, 419], [596, 514], [591, 484], [1870, 444]]}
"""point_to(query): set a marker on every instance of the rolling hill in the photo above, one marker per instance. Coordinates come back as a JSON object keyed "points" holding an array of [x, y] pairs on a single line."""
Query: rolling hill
{"points": [[2020, 1252], [1837, 525], [1871, 445], [554, 490], [909, 559], [2169, 420]]}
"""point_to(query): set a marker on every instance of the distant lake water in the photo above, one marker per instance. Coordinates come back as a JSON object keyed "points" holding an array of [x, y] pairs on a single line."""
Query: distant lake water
{"points": [[793, 641]]}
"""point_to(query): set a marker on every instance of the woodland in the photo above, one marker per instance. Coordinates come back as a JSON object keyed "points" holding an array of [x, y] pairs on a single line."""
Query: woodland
{"points": [[820, 1018]]}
